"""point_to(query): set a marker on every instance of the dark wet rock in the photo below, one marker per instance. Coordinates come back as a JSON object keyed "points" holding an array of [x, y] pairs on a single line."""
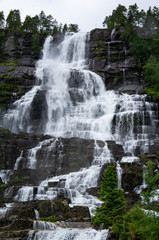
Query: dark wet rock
{"points": [[78, 213], [94, 191], [113, 60], [132, 176], [116, 150], [131, 199]]}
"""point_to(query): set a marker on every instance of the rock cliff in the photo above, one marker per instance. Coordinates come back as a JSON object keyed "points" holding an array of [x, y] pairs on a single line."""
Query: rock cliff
{"points": [[114, 61]]}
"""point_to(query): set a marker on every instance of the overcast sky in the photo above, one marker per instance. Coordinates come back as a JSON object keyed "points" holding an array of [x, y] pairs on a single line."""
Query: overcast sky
{"points": [[88, 14]]}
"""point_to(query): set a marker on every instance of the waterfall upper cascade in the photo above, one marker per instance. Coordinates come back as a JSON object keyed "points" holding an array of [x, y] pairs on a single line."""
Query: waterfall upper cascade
{"points": [[69, 101], [75, 103]]}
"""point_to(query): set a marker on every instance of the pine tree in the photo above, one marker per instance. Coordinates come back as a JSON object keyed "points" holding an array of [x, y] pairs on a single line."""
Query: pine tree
{"points": [[113, 207], [13, 20]]}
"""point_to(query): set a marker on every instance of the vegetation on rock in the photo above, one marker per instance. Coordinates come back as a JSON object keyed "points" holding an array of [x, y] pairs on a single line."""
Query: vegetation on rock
{"points": [[140, 30]]}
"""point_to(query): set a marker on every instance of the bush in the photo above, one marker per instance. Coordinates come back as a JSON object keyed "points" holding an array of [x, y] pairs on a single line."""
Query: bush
{"points": [[137, 224]]}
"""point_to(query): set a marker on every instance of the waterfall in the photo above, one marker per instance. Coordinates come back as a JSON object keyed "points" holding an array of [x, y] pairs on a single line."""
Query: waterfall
{"points": [[75, 103]]}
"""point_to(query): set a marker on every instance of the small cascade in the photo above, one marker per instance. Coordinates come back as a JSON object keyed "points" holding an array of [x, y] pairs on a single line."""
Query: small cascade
{"points": [[124, 76], [101, 153], [5, 210], [119, 174], [19, 159], [32, 160], [67, 234], [36, 214], [5, 175], [24, 194], [112, 36], [140, 188], [60, 155], [109, 54], [42, 225]]}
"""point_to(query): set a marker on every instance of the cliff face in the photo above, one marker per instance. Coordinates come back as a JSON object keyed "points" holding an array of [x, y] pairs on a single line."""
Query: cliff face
{"points": [[114, 61], [17, 66]]}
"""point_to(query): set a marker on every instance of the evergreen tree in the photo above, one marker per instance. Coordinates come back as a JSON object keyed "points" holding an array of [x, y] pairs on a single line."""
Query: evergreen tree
{"points": [[73, 28], [31, 24], [113, 207], [2, 19], [117, 19], [13, 20]]}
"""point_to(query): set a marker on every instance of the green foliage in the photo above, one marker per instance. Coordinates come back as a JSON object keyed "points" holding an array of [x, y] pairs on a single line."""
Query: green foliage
{"points": [[141, 48], [2, 38], [117, 19], [3, 187], [113, 207], [13, 20], [2, 19], [122, 16], [137, 225], [7, 62], [35, 43], [151, 71], [150, 179], [50, 219], [39, 24], [14, 180], [73, 28], [31, 24]]}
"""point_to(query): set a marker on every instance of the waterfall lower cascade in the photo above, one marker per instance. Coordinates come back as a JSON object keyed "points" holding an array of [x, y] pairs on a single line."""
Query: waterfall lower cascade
{"points": [[75, 103]]}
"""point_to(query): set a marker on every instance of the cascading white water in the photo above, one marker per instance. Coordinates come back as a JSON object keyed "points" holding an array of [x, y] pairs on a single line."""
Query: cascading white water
{"points": [[67, 234], [78, 104]]}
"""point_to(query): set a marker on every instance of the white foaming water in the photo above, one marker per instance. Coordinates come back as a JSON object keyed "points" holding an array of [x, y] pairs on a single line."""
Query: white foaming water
{"points": [[42, 225], [78, 104], [119, 174], [24, 194], [19, 159], [67, 234], [5, 175]]}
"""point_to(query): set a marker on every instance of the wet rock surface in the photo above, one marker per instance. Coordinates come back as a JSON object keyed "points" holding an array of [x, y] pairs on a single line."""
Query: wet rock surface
{"points": [[112, 59]]}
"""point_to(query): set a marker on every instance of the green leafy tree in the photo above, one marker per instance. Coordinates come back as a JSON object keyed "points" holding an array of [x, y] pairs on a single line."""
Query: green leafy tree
{"points": [[113, 207], [13, 20], [2, 19]]}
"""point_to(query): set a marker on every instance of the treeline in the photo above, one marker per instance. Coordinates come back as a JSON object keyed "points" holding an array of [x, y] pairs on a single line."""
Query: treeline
{"points": [[140, 30], [39, 24], [132, 16]]}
